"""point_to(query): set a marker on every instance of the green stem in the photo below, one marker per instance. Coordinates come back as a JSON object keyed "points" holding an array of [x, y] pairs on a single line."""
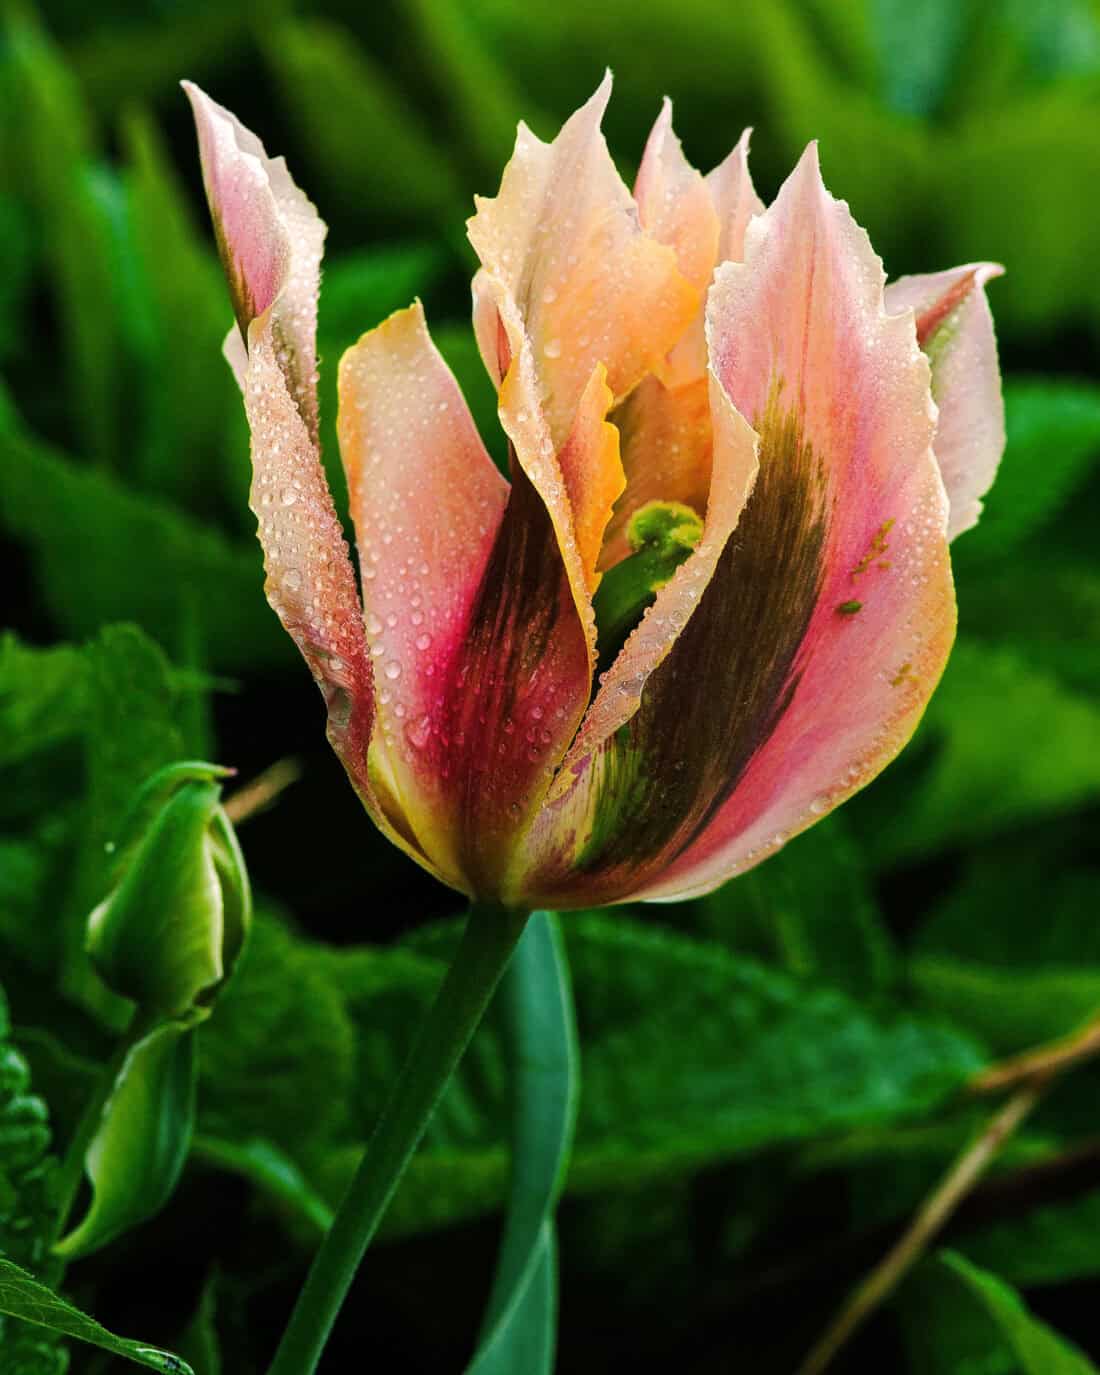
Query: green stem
{"points": [[490, 937]]}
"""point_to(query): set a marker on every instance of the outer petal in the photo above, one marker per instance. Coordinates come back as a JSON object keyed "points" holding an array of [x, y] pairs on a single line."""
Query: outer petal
{"points": [[271, 237], [955, 330], [830, 614], [427, 503], [562, 241]]}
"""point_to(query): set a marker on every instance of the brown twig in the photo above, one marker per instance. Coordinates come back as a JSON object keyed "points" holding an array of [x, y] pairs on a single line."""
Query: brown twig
{"points": [[1042, 1062], [926, 1225], [263, 790]]}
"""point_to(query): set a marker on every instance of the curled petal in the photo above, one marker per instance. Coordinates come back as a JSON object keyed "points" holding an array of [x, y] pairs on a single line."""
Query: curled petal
{"points": [[955, 330], [427, 503], [830, 613], [563, 243], [271, 240]]}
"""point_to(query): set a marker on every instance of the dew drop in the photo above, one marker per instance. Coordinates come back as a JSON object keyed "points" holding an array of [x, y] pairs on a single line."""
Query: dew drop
{"points": [[392, 670]]}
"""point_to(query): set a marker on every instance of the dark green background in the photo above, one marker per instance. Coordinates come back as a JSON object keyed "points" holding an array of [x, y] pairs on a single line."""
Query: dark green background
{"points": [[773, 1074]]}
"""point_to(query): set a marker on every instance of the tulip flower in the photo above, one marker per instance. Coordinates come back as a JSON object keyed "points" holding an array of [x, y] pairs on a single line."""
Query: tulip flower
{"points": [[710, 600], [676, 359]]}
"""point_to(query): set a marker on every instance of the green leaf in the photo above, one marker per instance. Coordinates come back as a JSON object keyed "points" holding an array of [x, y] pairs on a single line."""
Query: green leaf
{"points": [[1001, 743], [1044, 600], [28, 1206], [483, 99], [131, 732], [518, 1330], [278, 1060], [1052, 443], [810, 909], [336, 94], [984, 959], [102, 552], [199, 1342], [22, 1296], [658, 1015], [271, 1170], [917, 48], [1041, 237], [43, 697], [140, 1147], [1009, 1010], [958, 1318], [47, 158], [1048, 1245]]}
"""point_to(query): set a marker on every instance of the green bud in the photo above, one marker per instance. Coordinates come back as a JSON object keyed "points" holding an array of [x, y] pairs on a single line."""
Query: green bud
{"points": [[175, 923], [167, 937], [661, 534]]}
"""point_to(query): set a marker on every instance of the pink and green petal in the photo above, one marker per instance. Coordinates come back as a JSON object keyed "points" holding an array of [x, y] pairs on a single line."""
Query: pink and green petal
{"points": [[603, 768], [955, 330], [520, 685], [562, 242], [427, 502], [830, 614], [263, 222]]}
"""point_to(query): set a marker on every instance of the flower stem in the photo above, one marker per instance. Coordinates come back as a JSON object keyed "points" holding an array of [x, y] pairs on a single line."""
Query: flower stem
{"points": [[490, 937]]}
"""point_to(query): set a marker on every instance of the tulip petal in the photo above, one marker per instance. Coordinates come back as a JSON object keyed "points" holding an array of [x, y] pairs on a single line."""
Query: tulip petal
{"points": [[735, 200], [592, 471], [562, 241], [427, 502], [665, 422], [674, 202], [955, 330], [830, 614], [270, 238]]}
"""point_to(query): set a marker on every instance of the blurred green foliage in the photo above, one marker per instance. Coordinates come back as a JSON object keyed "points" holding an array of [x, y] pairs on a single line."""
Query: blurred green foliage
{"points": [[773, 1075]]}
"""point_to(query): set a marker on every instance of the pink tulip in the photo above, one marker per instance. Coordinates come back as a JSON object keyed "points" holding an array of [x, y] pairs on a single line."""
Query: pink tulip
{"points": [[742, 368]]}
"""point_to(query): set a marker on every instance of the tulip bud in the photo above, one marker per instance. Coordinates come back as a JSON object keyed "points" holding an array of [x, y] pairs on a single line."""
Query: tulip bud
{"points": [[167, 937], [173, 927]]}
